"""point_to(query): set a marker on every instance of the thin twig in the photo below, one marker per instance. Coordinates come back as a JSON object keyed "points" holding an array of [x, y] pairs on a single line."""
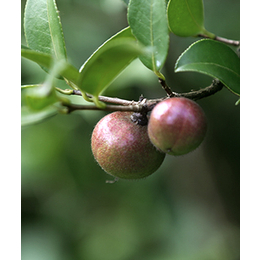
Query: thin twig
{"points": [[166, 87], [113, 100], [205, 92], [74, 107], [143, 105], [227, 41], [222, 39]]}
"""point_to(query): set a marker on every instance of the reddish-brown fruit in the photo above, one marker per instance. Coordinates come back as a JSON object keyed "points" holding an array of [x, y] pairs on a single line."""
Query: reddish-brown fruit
{"points": [[177, 126], [123, 149]]}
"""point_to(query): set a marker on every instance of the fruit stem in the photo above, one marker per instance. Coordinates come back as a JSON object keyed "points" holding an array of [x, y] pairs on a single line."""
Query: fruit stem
{"points": [[139, 118], [166, 87]]}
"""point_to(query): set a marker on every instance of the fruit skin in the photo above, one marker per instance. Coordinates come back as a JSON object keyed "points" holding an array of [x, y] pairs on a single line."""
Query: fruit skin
{"points": [[177, 126], [123, 149]]}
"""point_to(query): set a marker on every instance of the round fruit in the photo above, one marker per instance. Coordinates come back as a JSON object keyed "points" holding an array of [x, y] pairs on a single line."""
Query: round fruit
{"points": [[123, 149], [177, 126]]}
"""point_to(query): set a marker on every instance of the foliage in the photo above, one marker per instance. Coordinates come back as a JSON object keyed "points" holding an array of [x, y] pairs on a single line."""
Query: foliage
{"points": [[186, 18], [109, 60], [148, 22], [204, 56], [147, 38]]}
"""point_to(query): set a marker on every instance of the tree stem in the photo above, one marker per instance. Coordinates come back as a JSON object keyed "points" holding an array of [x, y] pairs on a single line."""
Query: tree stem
{"points": [[227, 41], [118, 101], [143, 105], [224, 40], [202, 93], [134, 108], [166, 87]]}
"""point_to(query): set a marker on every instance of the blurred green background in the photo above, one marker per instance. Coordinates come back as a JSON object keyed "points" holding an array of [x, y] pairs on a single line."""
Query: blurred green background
{"points": [[187, 210]]}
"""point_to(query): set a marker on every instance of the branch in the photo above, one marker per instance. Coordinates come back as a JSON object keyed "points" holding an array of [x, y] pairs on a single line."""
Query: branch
{"points": [[143, 105], [202, 93], [166, 88], [133, 108], [118, 101], [227, 41], [195, 95], [221, 39]]}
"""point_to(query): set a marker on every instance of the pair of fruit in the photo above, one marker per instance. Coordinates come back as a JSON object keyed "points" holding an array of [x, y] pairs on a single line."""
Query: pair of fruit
{"points": [[127, 149]]}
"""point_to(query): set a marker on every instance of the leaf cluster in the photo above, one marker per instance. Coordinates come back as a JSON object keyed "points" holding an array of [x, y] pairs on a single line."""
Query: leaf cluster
{"points": [[147, 38]]}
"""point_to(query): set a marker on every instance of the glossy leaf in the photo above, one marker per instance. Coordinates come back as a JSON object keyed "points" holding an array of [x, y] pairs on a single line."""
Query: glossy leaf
{"points": [[186, 17], [46, 60], [43, 30], [108, 61], [30, 86], [29, 117], [148, 21], [44, 95], [214, 59], [40, 98]]}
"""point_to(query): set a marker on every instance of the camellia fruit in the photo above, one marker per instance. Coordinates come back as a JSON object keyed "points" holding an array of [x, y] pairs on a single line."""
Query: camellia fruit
{"points": [[177, 126], [123, 149]]}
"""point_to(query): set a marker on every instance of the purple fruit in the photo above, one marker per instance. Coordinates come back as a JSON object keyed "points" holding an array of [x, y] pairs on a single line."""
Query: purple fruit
{"points": [[123, 149], [177, 126]]}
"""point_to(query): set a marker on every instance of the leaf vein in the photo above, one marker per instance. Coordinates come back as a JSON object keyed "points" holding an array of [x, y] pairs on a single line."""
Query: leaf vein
{"points": [[192, 16], [214, 64]]}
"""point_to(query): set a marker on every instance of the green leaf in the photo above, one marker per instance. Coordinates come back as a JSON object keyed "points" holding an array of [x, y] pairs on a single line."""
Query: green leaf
{"points": [[43, 30], [212, 58], [107, 62], [148, 21], [42, 96], [30, 86], [186, 18], [46, 60], [25, 47], [29, 117]]}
